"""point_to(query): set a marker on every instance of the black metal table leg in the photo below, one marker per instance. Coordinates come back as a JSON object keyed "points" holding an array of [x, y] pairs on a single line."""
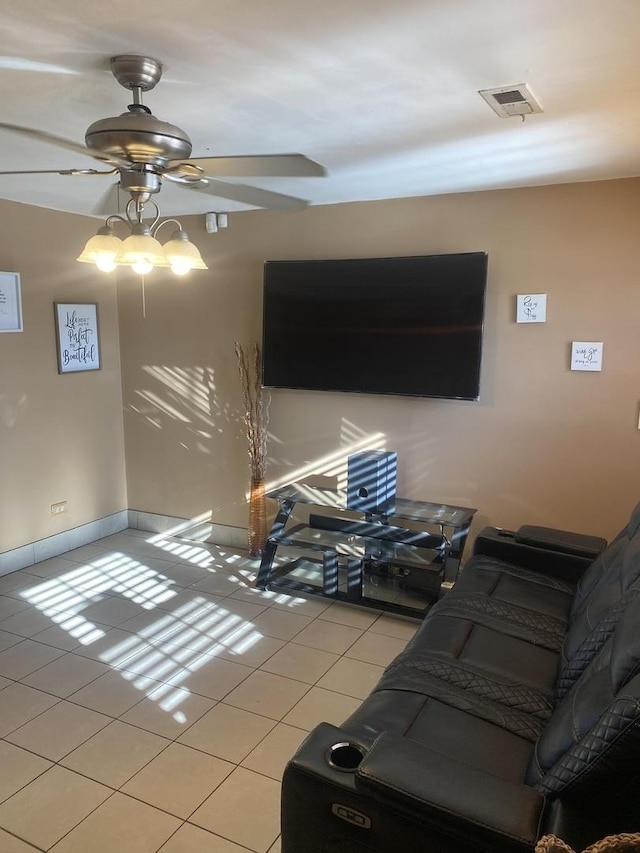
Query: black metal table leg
{"points": [[266, 563], [453, 556], [354, 578], [329, 572]]}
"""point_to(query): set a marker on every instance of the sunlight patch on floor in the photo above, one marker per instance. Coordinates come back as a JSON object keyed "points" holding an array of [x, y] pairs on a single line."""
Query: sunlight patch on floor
{"points": [[175, 645]]}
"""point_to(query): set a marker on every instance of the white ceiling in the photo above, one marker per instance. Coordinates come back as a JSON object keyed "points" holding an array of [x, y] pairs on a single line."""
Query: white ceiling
{"points": [[383, 93]]}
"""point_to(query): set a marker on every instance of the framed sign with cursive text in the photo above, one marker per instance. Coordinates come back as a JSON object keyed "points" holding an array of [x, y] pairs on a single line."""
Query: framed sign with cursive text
{"points": [[77, 338], [10, 302]]}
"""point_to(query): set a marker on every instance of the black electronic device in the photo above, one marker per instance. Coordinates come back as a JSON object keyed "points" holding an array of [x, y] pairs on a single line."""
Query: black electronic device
{"points": [[371, 481], [405, 325]]}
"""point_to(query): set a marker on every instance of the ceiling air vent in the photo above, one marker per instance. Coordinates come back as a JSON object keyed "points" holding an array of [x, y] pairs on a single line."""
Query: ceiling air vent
{"points": [[507, 101]]}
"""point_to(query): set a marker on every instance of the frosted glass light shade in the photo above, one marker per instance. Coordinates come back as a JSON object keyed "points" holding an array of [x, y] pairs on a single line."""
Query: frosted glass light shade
{"points": [[142, 252], [102, 250], [182, 255]]}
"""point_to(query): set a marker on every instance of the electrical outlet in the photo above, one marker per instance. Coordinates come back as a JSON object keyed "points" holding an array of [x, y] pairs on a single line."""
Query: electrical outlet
{"points": [[59, 507]]}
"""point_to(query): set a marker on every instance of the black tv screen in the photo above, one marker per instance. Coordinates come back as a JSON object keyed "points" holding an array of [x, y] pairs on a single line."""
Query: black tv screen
{"points": [[410, 325]]}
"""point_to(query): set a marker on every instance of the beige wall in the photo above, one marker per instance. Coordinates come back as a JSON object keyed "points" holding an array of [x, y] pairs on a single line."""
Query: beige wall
{"points": [[544, 445], [61, 437]]}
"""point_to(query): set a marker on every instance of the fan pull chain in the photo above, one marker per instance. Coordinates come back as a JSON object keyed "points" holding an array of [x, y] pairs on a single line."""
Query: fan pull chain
{"points": [[144, 301]]}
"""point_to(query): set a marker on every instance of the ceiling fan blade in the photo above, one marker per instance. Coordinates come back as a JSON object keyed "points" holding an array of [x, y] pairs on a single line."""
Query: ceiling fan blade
{"points": [[82, 172], [244, 194], [61, 142], [264, 165]]}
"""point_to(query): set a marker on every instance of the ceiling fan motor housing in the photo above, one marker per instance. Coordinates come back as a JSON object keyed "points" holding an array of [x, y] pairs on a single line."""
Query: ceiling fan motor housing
{"points": [[144, 150], [139, 137]]}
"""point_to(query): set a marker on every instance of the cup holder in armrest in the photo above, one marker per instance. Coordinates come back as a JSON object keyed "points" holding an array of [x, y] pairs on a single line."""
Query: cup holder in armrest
{"points": [[345, 756]]}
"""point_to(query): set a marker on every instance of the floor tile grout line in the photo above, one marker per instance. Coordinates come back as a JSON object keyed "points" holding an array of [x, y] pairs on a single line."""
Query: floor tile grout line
{"points": [[222, 701], [37, 776], [214, 834], [118, 718], [191, 691], [30, 720], [236, 594], [63, 655], [191, 813], [77, 746], [189, 625], [13, 835], [57, 763], [58, 840], [119, 788], [123, 668]]}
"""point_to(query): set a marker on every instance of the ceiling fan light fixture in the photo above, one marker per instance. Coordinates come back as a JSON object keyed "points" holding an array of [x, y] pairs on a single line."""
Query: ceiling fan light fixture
{"points": [[141, 250], [182, 255], [102, 249]]}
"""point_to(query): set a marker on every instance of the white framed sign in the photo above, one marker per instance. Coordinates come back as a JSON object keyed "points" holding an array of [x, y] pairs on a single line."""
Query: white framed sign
{"points": [[10, 302], [77, 336], [531, 308], [586, 355]]}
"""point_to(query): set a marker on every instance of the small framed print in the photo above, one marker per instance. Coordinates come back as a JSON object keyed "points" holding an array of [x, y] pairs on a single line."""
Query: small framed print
{"points": [[586, 355], [531, 308], [77, 336], [10, 302]]}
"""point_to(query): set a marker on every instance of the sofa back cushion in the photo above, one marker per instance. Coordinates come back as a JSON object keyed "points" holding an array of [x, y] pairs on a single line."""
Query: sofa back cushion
{"points": [[608, 568], [594, 734], [599, 602]]}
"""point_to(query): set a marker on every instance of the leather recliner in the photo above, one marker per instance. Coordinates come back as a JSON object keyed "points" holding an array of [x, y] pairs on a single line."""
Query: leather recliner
{"points": [[513, 713]]}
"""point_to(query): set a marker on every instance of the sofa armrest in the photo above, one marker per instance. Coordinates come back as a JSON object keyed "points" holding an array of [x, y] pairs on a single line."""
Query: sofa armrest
{"points": [[461, 801], [505, 545], [564, 541], [341, 792]]}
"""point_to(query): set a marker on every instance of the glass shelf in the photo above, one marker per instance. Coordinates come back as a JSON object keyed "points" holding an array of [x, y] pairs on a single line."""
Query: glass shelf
{"points": [[380, 589], [365, 559], [423, 511], [364, 547]]}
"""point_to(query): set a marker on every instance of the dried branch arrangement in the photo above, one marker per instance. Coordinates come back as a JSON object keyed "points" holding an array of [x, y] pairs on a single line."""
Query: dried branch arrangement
{"points": [[256, 409]]}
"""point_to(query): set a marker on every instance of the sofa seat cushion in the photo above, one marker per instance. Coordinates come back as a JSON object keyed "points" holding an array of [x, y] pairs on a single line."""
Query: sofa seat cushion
{"points": [[498, 703], [536, 628], [512, 584], [451, 731], [510, 600], [488, 649], [488, 694]]}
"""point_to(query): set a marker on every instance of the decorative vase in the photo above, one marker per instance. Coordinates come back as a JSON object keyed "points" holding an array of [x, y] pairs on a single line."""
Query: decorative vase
{"points": [[257, 517]]}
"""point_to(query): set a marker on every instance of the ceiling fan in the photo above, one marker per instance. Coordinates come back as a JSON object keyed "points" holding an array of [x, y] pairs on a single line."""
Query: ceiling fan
{"points": [[143, 151]]}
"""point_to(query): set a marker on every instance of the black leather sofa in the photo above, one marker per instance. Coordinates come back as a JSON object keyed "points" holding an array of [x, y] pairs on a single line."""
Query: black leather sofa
{"points": [[513, 713]]}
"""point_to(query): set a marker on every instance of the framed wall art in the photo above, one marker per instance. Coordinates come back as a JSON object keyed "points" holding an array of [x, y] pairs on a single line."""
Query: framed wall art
{"points": [[531, 308], [77, 336], [10, 302], [586, 355]]}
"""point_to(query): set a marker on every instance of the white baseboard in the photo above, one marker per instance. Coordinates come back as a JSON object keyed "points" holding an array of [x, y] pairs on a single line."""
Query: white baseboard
{"points": [[198, 531], [60, 543]]}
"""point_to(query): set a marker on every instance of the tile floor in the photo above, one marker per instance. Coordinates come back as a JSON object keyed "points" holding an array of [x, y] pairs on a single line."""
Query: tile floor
{"points": [[150, 696]]}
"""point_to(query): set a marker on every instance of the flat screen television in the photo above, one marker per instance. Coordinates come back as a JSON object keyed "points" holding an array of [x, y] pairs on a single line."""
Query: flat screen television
{"points": [[407, 325]]}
